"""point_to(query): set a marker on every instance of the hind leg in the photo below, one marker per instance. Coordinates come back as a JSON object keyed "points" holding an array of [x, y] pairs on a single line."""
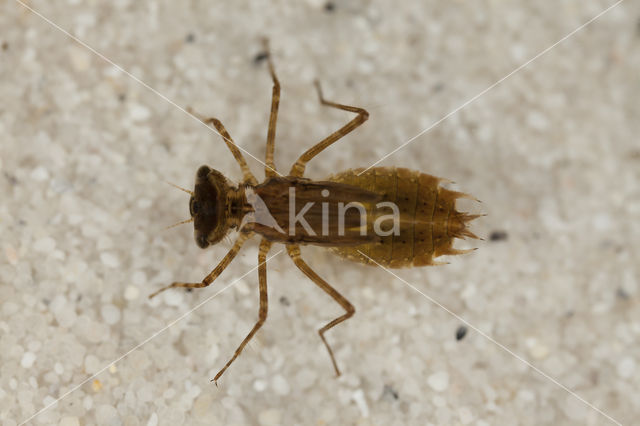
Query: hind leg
{"points": [[294, 253], [246, 172]]}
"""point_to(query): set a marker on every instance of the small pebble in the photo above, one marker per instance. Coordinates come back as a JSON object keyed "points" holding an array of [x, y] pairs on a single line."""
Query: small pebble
{"points": [[34, 346], [388, 390], [110, 314], [69, 421], [574, 409], [74, 218], [285, 301], [139, 278], [270, 417], [28, 358], [498, 236], [602, 222], [66, 317], [537, 121], [10, 308], [11, 254], [57, 367], [526, 395], [465, 415], [306, 378], [280, 385], [202, 405], [91, 364], [138, 112], [44, 245], [49, 401], [131, 293], [518, 52], [259, 385], [537, 349], [438, 381], [626, 367], [144, 203], [107, 414], [173, 298], [461, 332], [361, 402], [139, 360], [87, 403], [145, 393], [80, 58], [39, 174], [153, 420], [109, 259]]}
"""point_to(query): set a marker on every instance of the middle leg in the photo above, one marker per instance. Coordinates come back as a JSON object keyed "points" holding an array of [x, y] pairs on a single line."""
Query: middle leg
{"points": [[298, 168], [265, 245]]}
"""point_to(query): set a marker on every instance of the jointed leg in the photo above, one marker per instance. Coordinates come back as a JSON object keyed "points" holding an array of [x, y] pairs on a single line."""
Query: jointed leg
{"points": [[216, 272], [265, 245], [298, 168], [246, 172], [294, 253], [270, 167]]}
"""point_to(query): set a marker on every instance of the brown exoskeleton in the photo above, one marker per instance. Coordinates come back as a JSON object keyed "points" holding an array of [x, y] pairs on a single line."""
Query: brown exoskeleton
{"points": [[345, 213]]}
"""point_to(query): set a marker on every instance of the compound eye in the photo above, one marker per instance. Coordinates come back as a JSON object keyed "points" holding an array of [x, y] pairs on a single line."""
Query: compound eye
{"points": [[201, 240], [194, 207], [203, 171]]}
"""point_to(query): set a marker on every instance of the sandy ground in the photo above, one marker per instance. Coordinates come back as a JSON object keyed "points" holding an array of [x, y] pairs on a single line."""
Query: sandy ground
{"points": [[550, 298]]}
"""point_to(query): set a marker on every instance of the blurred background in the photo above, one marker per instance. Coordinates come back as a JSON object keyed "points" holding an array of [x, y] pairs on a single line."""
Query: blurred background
{"points": [[545, 308]]}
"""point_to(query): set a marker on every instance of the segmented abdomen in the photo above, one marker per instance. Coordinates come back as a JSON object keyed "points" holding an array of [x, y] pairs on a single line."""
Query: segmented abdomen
{"points": [[429, 221]]}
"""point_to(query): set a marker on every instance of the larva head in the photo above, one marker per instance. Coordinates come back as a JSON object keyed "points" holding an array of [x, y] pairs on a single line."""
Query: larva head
{"points": [[208, 206]]}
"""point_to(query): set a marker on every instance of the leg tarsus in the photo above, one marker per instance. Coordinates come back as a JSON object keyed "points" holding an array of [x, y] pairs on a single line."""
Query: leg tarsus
{"points": [[270, 167], [316, 83], [321, 99], [179, 284]]}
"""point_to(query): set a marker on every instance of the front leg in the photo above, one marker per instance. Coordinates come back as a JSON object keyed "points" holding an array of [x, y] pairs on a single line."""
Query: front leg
{"points": [[235, 150], [215, 273], [270, 166]]}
